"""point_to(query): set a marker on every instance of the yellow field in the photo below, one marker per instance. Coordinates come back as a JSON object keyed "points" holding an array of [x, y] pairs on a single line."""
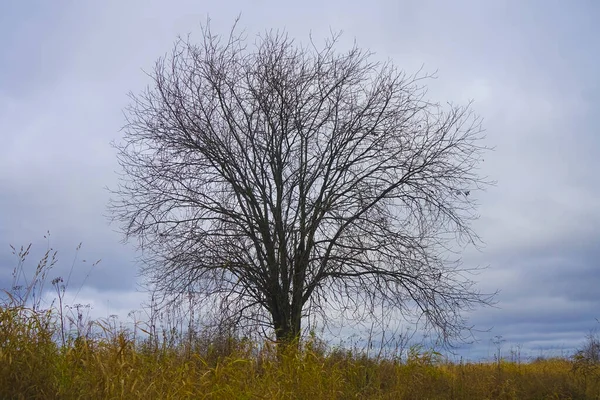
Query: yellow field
{"points": [[114, 366]]}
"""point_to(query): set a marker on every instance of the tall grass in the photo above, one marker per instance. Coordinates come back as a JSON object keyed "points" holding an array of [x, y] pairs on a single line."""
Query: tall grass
{"points": [[39, 361]]}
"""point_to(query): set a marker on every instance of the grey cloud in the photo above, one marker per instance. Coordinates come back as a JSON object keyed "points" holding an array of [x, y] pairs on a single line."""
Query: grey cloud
{"points": [[529, 67]]}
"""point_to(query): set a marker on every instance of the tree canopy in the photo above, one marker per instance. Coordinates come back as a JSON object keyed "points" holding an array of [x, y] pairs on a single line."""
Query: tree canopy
{"points": [[278, 180]]}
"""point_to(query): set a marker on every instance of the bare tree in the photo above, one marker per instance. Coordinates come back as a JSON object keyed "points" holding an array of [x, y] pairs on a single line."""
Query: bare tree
{"points": [[279, 180]]}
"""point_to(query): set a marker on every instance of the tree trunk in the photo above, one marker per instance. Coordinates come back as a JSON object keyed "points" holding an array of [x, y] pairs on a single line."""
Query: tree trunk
{"points": [[287, 329]]}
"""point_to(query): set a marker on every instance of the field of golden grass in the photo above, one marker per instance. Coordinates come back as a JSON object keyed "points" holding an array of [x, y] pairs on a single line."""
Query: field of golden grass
{"points": [[40, 359], [34, 365]]}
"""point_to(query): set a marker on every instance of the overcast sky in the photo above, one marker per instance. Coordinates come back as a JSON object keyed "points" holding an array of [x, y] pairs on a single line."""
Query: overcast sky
{"points": [[530, 66]]}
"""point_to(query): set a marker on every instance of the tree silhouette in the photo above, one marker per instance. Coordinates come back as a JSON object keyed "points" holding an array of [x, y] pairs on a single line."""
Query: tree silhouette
{"points": [[278, 181]]}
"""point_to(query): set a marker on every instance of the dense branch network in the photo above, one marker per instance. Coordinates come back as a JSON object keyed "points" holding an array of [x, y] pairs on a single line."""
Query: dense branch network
{"points": [[285, 180]]}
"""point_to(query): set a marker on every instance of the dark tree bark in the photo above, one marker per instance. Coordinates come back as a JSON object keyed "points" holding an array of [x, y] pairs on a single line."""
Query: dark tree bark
{"points": [[282, 180]]}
